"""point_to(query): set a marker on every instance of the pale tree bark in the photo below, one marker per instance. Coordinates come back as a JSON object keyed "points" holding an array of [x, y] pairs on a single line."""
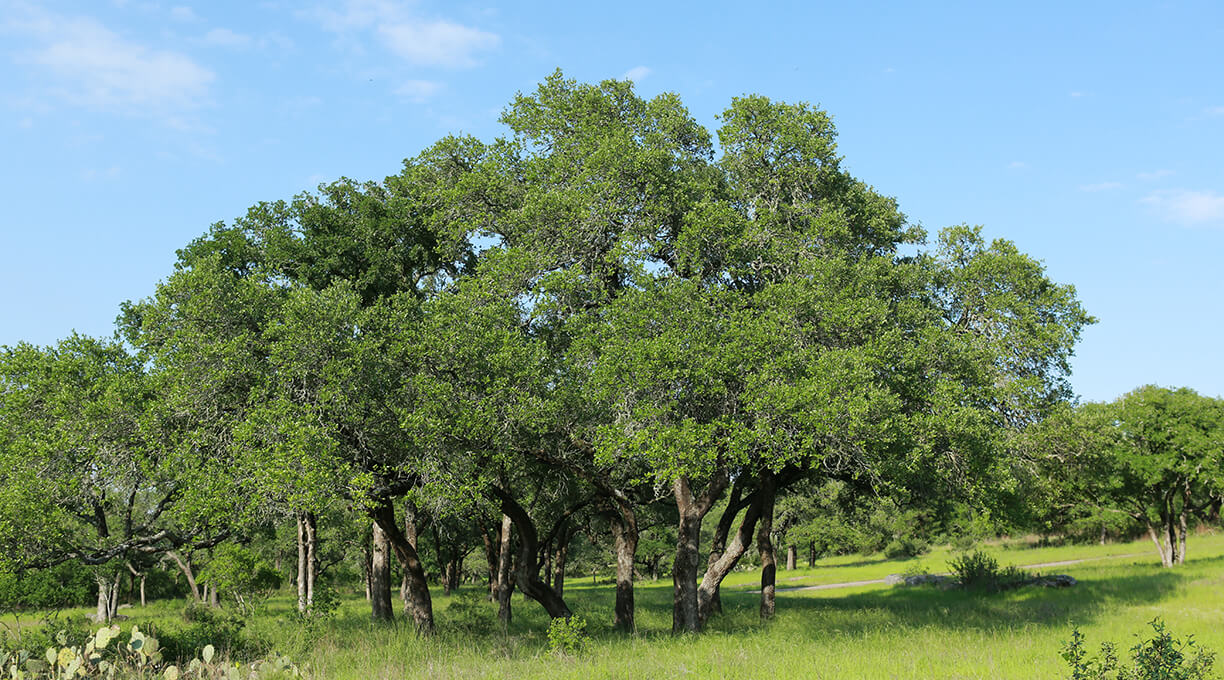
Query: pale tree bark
{"points": [[380, 576], [504, 585], [302, 557], [420, 604], [312, 557], [185, 567], [790, 558]]}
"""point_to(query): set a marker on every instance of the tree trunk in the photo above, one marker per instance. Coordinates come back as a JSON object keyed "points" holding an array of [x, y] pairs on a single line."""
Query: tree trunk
{"points": [[716, 572], [688, 542], [718, 544], [1165, 555], [312, 557], [527, 571], [185, 567], [790, 558], [625, 541], [102, 613], [114, 597], [504, 585], [420, 604], [557, 558], [410, 534], [491, 545], [811, 554], [213, 599], [143, 603], [765, 546], [380, 577], [302, 557]]}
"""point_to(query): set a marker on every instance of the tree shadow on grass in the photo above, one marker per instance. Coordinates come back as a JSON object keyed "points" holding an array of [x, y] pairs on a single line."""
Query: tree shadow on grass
{"points": [[956, 610]]}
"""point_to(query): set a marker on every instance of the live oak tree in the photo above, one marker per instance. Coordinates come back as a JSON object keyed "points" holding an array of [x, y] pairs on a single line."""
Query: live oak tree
{"points": [[93, 468], [1154, 456]]}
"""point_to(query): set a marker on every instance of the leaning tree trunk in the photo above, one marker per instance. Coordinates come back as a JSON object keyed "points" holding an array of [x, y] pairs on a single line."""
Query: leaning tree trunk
{"points": [[505, 587], [718, 545], [380, 577], [731, 555], [527, 572], [765, 546], [185, 567], [692, 509], [420, 604]]}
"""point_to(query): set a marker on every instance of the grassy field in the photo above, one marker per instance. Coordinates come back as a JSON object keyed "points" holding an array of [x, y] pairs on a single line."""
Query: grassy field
{"points": [[871, 631]]}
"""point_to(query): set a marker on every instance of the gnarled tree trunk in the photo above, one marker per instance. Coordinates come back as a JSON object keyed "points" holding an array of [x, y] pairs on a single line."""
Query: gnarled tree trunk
{"points": [[420, 604], [527, 571], [730, 556], [380, 576], [692, 509], [769, 562]]}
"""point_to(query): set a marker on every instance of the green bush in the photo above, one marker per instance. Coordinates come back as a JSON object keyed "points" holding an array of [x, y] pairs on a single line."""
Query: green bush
{"points": [[979, 571], [240, 574], [567, 635], [204, 625], [64, 585], [470, 613], [1162, 657]]}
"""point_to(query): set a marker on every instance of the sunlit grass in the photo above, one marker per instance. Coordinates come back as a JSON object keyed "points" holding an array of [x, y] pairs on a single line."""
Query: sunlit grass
{"points": [[871, 631]]}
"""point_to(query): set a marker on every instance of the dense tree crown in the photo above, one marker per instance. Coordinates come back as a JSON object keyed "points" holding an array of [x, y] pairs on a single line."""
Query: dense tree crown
{"points": [[598, 321]]}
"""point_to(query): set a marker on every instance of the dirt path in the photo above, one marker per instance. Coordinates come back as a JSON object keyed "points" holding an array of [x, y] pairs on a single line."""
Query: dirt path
{"points": [[853, 584]]}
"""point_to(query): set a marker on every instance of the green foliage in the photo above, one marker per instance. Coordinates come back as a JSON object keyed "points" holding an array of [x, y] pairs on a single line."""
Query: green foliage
{"points": [[63, 585], [980, 571], [567, 635], [204, 625], [241, 574], [470, 613], [1161, 657]]}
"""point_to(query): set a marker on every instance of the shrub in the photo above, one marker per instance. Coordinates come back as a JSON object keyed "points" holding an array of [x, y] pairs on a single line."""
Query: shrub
{"points": [[470, 613], [567, 635], [241, 574], [979, 571], [1163, 657]]}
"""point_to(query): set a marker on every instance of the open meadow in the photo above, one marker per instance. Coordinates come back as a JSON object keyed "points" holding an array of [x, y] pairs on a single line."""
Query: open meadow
{"points": [[873, 631]]}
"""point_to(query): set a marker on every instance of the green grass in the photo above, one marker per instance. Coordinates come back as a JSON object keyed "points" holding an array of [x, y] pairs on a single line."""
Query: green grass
{"points": [[864, 632]]}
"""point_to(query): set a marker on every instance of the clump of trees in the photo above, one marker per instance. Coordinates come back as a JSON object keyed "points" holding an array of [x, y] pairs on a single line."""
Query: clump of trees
{"points": [[1152, 458], [595, 330]]}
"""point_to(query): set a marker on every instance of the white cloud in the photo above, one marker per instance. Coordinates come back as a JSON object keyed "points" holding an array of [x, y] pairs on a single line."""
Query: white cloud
{"points": [[1187, 207], [412, 38], [1155, 174], [636, 74], [1077, 95], [1215, 111], [1101, 186], [418, 90], [224, 37], [436, 43], [90, 66], [1017, 164], [183, 13]]}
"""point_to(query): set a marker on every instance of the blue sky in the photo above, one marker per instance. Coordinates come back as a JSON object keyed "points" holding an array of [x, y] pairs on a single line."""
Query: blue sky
{"points": [[1090, 133]]}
